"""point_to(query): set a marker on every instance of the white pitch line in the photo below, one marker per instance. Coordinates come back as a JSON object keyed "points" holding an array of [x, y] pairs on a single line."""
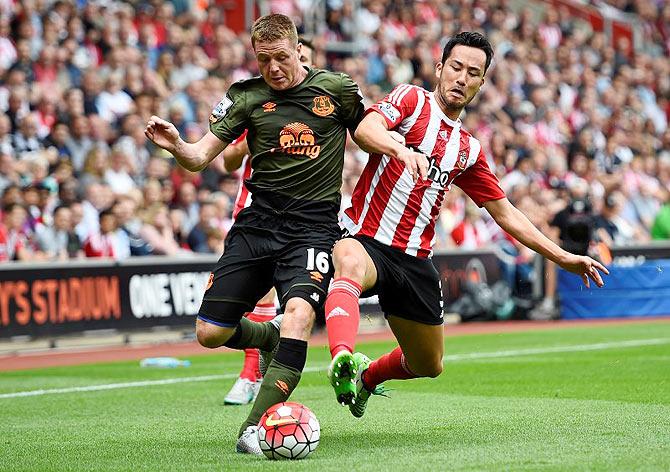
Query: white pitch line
{"points": [[142, 383], [548, 350], [451, 357]]}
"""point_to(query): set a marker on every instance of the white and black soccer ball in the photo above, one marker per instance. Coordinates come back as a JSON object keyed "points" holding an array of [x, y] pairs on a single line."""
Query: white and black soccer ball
{"points": [[288, 430]]}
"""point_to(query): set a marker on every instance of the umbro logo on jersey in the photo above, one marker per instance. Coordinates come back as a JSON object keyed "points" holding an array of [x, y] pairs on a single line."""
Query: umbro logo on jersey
{"points": [[337, 311], [443, 134], [269, 106], [316, 276]]}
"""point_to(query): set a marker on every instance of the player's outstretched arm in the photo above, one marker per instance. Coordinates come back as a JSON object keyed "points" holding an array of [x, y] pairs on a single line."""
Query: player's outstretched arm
{"points": [[191, 156], [234, 154], [516, 224], [372, 135]]}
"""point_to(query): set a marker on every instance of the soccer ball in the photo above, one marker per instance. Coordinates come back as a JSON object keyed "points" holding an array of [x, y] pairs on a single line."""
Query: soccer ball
{"points": [[288, 430]]}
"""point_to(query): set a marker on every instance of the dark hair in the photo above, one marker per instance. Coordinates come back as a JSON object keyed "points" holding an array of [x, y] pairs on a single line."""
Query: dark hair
{"points": [[306, 42], [472, 39], [60, 207], [106, 212], [11, 206]]}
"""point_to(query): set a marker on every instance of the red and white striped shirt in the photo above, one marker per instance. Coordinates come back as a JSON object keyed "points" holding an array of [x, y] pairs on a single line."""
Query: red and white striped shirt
{"points": [[243, 198], [387, 205]]}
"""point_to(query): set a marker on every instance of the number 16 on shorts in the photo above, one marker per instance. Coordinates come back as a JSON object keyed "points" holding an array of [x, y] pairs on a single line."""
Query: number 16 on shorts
{"points": [[318, 261]]}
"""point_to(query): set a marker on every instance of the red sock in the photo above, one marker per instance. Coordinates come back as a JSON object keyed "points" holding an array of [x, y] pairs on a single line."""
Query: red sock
{"points": [[250, 369], [391, 366], [262, 312], [342, 314]]}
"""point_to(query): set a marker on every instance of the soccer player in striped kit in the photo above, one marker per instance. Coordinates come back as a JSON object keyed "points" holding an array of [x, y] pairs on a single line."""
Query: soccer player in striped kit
{"points": [[391, 224], [236, 156]]}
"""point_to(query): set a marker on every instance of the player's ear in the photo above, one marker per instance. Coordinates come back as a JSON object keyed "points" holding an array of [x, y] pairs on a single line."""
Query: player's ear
{"points": [[438, 69]]}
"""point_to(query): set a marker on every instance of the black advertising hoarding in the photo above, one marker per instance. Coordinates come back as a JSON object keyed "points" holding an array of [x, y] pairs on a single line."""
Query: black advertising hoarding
{"points": [[58, 298]]}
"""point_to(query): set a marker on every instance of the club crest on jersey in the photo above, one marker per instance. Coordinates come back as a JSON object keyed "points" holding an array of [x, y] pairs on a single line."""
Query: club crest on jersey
{"points": [[269, 107], [298, 138], [462, 159], [323, 106]]}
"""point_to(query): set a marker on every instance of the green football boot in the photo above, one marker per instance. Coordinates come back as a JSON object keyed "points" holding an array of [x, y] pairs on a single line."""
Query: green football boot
{"points": [[342, 374], [357, 408]]}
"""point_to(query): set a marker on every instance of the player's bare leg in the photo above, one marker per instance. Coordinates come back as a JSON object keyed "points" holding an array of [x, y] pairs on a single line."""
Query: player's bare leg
{"points": [[419, 355], [210, 335], [422, 345], [354, 273]]}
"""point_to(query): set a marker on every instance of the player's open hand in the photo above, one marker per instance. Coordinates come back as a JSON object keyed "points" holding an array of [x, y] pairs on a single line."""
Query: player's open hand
{"points": [[162, 133], [416, 163], [587, 268]]}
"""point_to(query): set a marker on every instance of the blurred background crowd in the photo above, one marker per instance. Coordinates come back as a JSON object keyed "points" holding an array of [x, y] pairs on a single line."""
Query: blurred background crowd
{"points": [[575, 127]]}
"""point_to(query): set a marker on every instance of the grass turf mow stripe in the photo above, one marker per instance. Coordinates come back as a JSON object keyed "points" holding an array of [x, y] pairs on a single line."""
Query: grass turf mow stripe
{"points": [[452, 357]]}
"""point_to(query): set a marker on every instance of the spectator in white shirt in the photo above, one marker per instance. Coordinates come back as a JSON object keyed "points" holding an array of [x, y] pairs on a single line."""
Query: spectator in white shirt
{"points": [[113, 103]]}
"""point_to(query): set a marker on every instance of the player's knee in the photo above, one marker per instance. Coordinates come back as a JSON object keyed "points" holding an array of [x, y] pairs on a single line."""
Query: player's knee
{"points": [[211, 336], [206, 338], [431, 368], [298, 319], [434, 369], [349, 265]]}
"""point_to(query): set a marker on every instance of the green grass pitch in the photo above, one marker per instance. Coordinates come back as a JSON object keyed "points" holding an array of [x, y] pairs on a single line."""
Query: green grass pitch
{"points": [[561, 399]]}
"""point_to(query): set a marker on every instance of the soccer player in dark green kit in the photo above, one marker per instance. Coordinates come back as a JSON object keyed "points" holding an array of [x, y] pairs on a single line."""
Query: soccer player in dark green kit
{"points": [[297, 119]]}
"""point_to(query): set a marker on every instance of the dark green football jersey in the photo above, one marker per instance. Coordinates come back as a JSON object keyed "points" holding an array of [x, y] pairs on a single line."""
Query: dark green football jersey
{"points": [[296, 137]]}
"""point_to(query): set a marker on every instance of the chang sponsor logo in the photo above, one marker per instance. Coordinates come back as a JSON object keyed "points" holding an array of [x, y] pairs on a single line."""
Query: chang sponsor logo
{"points": [[298, 139]]}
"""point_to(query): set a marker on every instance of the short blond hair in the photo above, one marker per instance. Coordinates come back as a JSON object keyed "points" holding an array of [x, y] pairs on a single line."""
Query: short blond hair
{"points": [[274, 27]]}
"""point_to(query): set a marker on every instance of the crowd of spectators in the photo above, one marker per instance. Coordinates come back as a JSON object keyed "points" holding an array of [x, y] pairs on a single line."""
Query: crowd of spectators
{"points": [[564, 117]]}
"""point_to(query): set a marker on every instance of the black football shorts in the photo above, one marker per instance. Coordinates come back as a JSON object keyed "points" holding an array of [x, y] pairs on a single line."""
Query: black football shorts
{"points": [[263, 250], [408, 287]]}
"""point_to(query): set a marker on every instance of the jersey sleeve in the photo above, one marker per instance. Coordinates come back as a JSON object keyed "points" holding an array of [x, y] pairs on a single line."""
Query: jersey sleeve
{"points": [[479, 183], [229, 118], [399, 104], [353, 109]]}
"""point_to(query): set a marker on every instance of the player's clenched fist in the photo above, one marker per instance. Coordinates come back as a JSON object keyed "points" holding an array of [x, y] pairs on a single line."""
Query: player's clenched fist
{"points": [[162, 133]]}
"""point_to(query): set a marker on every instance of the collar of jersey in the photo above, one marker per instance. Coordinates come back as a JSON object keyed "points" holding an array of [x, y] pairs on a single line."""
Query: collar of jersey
{"points": [[445, 118]]}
